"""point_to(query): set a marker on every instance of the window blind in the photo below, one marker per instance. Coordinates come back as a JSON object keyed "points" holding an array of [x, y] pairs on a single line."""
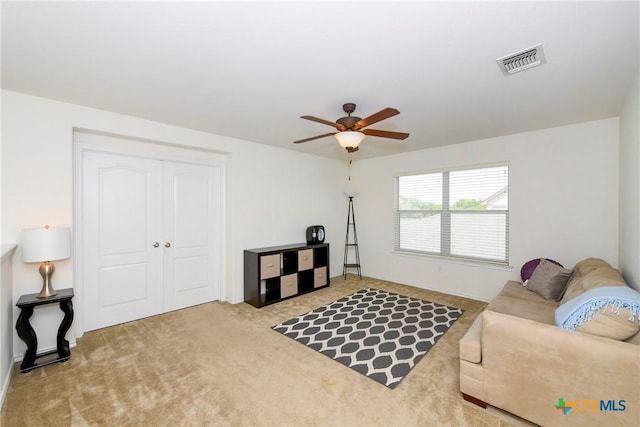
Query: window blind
{"points": [[455, 213]]}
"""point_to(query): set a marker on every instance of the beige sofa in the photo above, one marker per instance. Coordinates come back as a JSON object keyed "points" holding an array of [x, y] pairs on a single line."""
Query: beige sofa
{"points": [[514, 357]]}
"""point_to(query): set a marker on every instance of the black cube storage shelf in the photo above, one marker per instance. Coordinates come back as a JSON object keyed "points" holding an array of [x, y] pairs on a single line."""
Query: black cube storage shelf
{"points": [[276, 273]]}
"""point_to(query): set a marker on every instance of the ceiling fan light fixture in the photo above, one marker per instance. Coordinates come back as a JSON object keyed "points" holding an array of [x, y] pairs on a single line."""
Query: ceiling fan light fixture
{"points": [[350, 131], [349, 139]]}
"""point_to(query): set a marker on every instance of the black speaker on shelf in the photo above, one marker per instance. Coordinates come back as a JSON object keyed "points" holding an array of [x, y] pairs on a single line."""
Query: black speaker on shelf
{"points": [[315, 234]]}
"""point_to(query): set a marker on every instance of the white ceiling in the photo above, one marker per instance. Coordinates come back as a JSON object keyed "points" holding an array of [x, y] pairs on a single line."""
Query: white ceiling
{"points": [[249, 69]]}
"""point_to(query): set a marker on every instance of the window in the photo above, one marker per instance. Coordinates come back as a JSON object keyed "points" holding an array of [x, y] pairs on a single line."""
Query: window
{"points": [[461, 213]]}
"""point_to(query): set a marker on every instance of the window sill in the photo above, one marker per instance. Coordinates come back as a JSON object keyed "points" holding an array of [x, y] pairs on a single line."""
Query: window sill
{"points": [[447, 260]]}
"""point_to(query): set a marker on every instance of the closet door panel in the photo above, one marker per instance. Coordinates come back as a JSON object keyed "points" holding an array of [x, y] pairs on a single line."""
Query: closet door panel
{"points": [[191, 209], [121, 221], [119, 284], [190, 273]]}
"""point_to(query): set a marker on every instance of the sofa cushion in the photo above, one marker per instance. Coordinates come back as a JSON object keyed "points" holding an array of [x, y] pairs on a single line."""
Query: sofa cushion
{"points": [[589, 274], [587, 265], [549, 280], [470, 349], [472, 379], [516, 300], [635, 339], [608, 324], [594, 273], [607, 311]]}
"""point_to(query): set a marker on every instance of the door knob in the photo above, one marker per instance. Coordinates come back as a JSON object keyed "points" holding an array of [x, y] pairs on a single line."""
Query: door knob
{"points": [[156, 244], [167, 245]]}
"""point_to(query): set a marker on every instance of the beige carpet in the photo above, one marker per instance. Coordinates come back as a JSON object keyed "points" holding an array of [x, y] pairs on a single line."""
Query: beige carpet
{"points": [[221, 364]]}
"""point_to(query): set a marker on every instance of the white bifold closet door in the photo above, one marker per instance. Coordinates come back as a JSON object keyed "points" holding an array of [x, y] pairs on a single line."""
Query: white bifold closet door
{"points": [[149, 228]]}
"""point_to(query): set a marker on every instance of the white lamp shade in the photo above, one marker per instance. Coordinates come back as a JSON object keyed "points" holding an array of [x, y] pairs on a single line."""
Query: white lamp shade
{"points": [[45, 244], [349, 139]]}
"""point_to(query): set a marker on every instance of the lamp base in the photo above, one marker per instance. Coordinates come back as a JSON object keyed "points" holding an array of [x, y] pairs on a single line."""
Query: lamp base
{"points": [[46, 271]]}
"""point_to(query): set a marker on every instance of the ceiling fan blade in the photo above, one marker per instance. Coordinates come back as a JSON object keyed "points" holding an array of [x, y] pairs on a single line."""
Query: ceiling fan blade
{"points": [[374, 118], [325, 122], [385, 133], [314, 137]]}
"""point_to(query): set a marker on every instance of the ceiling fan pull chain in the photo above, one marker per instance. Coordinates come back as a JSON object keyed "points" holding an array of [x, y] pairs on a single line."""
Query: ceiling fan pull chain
{"points": [[350, 161]]}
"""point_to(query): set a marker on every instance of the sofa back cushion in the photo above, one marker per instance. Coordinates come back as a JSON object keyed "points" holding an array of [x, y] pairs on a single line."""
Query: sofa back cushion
{"points": [[609, 321], [591, 273], [608, 324], [587, 265]]}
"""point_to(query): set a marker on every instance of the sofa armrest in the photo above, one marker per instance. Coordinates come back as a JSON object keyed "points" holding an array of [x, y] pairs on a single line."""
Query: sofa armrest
{"points": [[529, 365]]}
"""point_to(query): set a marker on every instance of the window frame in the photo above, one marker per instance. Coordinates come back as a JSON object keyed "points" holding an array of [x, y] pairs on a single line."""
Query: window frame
{"points": [[446, 216]]}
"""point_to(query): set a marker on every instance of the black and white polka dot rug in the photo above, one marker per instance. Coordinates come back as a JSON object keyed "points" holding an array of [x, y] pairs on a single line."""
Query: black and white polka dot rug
{"points": [[380, 334]]}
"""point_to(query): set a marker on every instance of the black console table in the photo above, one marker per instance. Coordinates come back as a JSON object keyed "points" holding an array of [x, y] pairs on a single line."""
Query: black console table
{"points": [[26, 303]]}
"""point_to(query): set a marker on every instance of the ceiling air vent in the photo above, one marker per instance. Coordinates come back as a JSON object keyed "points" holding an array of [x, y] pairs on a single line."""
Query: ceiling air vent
{"points": [[523, 60]]}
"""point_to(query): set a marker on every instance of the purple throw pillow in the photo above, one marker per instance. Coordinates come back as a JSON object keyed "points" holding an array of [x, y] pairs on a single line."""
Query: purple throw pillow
{"points": [[527, 269]]}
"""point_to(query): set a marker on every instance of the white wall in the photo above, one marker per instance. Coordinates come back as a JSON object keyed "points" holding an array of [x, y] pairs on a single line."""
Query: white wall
{"points": [[6, 320], [272, 194], [563, 205], [630, 188]]}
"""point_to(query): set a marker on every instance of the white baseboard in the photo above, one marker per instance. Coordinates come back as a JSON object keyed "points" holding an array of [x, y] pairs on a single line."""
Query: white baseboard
{"points": [[431, 288], [5, 386]]}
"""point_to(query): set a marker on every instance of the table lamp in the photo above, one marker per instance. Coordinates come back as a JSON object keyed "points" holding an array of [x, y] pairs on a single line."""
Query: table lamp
{"points": [[44, 245]]}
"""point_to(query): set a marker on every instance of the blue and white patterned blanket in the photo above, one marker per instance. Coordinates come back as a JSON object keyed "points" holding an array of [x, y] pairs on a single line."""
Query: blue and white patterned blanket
{"points": [[582, 308]]}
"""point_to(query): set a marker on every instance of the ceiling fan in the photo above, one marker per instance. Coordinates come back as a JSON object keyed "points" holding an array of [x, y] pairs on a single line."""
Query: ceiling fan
{"points": [[350, 129]]}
